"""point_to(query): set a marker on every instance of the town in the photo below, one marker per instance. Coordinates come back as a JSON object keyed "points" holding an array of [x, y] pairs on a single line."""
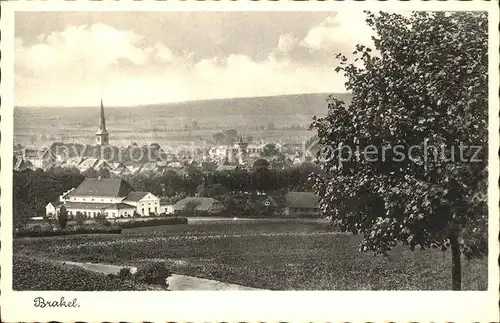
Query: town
{"points": [[122, 182], [159, 151]]}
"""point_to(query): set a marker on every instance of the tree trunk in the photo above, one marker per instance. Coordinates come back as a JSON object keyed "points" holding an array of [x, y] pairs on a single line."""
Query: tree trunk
{"points": [[456, 265]]}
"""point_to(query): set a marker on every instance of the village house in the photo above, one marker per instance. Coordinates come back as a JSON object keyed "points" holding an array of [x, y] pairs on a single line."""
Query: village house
{"points": [[167, 208], [301, 204], [21, 164], [38, 158], [201, 204], [52, 209], [110, 196]]}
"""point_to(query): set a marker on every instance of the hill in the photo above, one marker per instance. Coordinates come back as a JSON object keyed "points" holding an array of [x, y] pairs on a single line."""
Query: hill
{"points": [[289, 115]]}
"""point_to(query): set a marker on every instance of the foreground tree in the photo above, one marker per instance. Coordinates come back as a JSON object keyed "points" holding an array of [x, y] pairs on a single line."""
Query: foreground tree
{"points": [[62, 218], [418, 120]]}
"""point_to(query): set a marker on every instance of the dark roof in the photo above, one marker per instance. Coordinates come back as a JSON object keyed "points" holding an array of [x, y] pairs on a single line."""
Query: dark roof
{"points": [[135, 196], [21, 163], [98, 206], [301, 199], [112, 187], [204, 203]]}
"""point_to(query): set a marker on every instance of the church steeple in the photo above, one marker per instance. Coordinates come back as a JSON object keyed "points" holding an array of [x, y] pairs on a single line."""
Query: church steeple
{"points": [[102, 135], [103, 120]]}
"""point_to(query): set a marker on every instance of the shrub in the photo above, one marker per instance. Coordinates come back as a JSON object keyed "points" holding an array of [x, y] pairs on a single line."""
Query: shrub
{"points": [[125, 273], [48, 231], [153, 222], [153, 272], [62, 218], [80, 218]]}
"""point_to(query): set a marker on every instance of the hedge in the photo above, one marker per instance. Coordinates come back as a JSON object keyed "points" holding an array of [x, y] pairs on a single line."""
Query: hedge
{"points": [[153, 222], [49, 232]]}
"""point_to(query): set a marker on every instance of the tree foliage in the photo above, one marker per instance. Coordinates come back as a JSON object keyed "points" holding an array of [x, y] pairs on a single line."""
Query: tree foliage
{"points": [[425, 86], [62, 217]]}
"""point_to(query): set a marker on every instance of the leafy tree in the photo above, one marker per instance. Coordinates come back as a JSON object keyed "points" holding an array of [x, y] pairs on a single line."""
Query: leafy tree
{"points": [[80, 218], [216, 190], [62, 217], [219, 138], [230, 205], [425, 86], [190, 207], [269, 150], [261, 164], [154, 145], [231, 136]]}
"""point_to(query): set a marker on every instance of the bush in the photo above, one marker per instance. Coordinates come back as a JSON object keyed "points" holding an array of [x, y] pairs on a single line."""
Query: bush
{"points": [[48, 231], [80, 218], [153, 272], [125, 273], [62, 218], [153, 222]]}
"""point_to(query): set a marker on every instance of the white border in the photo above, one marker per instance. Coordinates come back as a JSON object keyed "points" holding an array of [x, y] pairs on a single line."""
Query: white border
{"points": [[248, 306]]}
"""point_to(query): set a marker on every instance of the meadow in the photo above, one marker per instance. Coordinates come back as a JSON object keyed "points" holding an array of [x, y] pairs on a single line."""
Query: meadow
{"points": [[276, 255]]}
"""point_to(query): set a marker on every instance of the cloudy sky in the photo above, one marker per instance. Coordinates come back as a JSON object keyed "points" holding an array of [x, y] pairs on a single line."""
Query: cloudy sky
{"points": [[72, 59]]}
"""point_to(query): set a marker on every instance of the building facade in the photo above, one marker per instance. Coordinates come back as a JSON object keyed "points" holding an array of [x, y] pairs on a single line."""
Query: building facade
{"points": [[112, 197], [301, 204]]}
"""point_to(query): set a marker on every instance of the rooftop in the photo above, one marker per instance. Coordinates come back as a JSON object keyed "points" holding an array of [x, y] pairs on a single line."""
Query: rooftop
{"points": [[109, 187], [301, 199]]}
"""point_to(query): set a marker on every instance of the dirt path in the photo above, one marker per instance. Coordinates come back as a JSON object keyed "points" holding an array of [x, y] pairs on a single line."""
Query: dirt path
{"points": [[175, 282]]}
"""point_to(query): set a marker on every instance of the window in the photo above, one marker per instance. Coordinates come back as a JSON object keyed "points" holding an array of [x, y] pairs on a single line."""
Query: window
{"points": [[156, 209], [94, 213], [102, 200], [142, 210], [83, 200], [84, 212], [106, 213], [92, 199]]}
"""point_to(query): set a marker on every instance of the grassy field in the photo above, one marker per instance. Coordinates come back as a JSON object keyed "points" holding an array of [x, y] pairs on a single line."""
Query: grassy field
{"points": [[269, 255]]}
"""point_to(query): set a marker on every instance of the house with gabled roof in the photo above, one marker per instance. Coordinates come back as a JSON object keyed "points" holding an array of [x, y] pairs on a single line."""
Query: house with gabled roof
{"points": [[39, 158], [144, 202], [201, 204], [113, 197], [301, 204], [22, 164]]}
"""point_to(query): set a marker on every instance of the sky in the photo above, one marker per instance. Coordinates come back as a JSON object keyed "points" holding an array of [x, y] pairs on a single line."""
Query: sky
{"points": [[134, 58]]}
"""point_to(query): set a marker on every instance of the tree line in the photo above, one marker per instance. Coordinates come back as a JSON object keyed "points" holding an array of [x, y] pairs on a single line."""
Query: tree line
{"points": [[33, 190]]}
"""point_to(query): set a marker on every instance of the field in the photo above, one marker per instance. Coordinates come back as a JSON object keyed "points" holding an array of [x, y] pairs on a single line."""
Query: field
{"points": [[276, 255], [169, 124]]}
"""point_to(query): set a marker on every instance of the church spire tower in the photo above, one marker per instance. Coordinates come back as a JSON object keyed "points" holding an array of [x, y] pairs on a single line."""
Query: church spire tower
{"points": [[102, 135]]}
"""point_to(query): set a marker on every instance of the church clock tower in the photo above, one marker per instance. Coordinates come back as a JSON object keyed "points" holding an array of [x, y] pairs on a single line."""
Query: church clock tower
{"points": [[102, 135]]}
